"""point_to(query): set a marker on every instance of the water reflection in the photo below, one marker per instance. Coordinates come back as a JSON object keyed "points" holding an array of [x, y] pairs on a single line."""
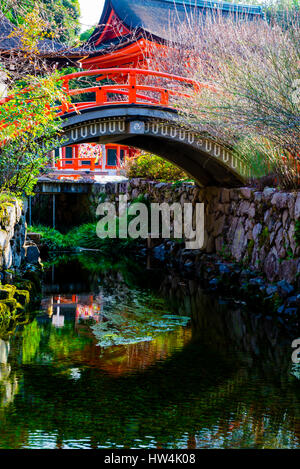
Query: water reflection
{"points": [[225, 380], [74, 315], [8, 380]]}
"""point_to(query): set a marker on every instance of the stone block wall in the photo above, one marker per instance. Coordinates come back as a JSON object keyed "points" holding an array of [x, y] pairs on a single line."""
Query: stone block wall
{"points": [[255, 228], [12, 233]]}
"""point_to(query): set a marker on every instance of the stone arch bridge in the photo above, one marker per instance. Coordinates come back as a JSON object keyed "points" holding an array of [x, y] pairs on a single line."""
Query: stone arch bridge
{"points": [[157, 130]]}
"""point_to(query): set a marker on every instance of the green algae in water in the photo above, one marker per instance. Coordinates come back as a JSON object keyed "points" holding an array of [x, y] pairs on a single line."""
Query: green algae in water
{"points": [[141, 321]]}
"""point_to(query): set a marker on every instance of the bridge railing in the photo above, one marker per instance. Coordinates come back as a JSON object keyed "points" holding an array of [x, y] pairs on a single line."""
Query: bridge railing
{"points": [[129, 86], [76, 163]]}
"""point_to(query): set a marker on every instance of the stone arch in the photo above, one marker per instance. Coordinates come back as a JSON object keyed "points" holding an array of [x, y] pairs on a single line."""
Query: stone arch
{"points": [[160, 131]]}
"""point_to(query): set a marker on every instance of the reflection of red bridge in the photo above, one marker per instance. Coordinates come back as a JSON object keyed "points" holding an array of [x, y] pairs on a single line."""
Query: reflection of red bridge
{"points": [[83, 307]]}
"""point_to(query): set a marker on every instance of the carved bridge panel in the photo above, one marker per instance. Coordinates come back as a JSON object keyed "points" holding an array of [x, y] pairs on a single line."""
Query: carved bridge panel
{"points": [[161, 129]]}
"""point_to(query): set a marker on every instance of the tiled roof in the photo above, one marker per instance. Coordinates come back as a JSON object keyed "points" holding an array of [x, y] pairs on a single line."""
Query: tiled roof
{"points": [[153, 16]]}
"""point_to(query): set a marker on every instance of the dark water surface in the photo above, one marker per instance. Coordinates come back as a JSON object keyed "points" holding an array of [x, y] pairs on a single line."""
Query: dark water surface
{"points": [[223, 379]]}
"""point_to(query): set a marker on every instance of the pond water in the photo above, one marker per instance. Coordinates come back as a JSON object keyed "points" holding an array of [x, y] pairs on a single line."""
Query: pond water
{"points": [[124, 357]]}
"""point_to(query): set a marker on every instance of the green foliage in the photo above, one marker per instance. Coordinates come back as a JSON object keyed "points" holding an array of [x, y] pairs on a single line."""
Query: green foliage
{"points": [[29, 122], [297, 232], [51, 238], [14, 305], [62, 16], [86, 34], [6, 197], [30, 133], [282, 12], [23, 297], [31, 341], [153, 167], [84, 236]]}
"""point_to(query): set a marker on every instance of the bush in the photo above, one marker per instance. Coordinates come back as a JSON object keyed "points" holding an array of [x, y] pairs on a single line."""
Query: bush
{"points": [[150, 166], [254, 69], [51, 238], [84, 236]]}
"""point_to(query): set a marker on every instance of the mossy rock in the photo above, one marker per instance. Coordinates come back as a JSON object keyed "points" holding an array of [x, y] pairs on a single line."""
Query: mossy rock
{"points": [[4, 310], [7, 291], [11, 304], [27, 285], [264, 239], [23, 297], [34, 278], [12, 307]]}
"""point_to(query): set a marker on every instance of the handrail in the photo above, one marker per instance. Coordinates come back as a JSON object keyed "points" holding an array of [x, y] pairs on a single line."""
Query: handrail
{"points": [[129, 90], [126, 89]]}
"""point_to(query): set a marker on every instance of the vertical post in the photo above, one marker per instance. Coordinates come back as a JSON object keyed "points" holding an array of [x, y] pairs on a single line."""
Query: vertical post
{"points": [[132, 88], [75, 157], [65, 105], [63, 157], [30, 217], [92, 164], [118, 156], [53, 159], [100, 96], [103, 157], [53, 209], [164, 100], [58, 162]]}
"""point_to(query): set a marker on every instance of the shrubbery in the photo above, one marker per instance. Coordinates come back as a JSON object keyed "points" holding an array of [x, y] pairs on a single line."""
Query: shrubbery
{"points": [[150, 166], [84, 236], [253, 105]]}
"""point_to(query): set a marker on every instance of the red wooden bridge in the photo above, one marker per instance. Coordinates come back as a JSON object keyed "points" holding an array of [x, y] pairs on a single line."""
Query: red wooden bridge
{"points": [[138, 108], [130, 86]]}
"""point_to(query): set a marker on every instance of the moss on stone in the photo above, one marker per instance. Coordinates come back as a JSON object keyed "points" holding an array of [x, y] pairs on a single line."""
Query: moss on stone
{"points": [[12, 307], [4, 310], [35, 281], [10, 303], [250, 248], [23, 297], [4, 214], [264, 239], [7, 292]]}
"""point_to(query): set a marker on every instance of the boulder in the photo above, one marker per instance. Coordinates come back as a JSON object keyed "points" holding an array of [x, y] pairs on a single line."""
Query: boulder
{"points": [[280, 200], [284, 288], [297, 207], [271, 265], [288, 270], [32, 254], [239, 242]]}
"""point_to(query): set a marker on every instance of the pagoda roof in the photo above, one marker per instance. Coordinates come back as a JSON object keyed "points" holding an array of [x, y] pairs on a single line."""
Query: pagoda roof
{"points": [[153, 16]]}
